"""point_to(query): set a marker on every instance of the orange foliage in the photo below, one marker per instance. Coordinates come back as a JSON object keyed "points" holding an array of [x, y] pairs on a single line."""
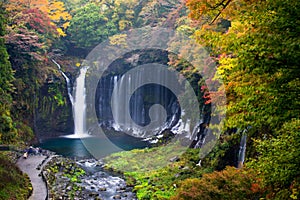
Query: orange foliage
{"points": [[230, 183], [53, 9]]}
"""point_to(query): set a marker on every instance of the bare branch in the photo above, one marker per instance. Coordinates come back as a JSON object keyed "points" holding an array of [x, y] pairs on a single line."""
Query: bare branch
{"points": [[224, 6]]}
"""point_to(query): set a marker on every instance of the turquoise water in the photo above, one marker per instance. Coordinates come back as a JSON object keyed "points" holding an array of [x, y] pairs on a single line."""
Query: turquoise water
{"points": [[90, 147]]}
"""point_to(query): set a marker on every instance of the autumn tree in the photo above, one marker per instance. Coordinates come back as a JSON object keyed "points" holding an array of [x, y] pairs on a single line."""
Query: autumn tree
{"points": [[259, 74], [256, 45], [227, 184], [29, 36], [53, 9]]}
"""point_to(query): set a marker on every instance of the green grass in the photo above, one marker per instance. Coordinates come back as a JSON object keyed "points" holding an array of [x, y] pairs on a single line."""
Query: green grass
{"points": [[142, 160], [13, 184], [150, 171]]}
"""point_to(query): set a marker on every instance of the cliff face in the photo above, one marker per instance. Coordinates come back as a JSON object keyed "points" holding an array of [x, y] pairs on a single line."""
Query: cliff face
{"points": [[53, 112]]}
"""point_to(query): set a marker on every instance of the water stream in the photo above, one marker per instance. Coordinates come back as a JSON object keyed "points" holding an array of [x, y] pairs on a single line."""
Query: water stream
{"points": [[106, 185], [69, 87]]}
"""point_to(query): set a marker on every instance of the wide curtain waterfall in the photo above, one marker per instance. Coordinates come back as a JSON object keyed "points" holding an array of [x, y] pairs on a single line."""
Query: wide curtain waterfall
{"points": [[135, 95], [150, 105]]}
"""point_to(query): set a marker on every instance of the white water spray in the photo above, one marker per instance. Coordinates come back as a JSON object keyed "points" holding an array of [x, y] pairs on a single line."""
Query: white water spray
{"points": [[78, 103]]}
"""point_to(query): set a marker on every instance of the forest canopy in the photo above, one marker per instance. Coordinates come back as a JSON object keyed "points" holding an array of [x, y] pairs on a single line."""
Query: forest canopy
{"points": [[256, 48]]}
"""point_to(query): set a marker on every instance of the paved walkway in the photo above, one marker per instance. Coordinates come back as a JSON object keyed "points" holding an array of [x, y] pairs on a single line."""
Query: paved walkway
{"points": [[29, 166]]}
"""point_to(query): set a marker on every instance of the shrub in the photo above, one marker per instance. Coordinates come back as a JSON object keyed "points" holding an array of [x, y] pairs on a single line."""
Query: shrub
{"points": [[230, 183]]}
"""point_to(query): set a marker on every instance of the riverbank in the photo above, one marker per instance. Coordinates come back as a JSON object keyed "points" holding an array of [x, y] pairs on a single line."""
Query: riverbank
{"points": [[156, 173], [84, 179]]}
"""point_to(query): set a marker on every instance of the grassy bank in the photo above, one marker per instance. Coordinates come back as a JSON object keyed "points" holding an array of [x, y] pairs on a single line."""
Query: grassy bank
{"points": [[180, 177], [14, 184], [157, 172]]}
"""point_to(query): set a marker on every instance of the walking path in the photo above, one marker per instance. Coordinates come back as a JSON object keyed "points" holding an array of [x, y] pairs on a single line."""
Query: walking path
{"points": [[29, 166]]}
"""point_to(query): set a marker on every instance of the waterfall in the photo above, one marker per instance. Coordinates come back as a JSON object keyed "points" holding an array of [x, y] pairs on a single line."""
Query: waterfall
{"points": [[151, 108], [69, 88], [242, 150], [77, 101], [79, 105]]}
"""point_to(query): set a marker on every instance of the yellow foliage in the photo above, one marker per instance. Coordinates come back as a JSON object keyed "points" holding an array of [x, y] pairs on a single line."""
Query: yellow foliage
{"points": [[118, 40], [237, 28], [65, 25], [129, 14], [53, 8], [226, 65], [58, 13], [123, 24], [60, 32]]}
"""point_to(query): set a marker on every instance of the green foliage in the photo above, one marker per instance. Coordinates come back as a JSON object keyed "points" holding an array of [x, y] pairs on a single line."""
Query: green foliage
{"points": [[261, 80], [14, 184], [278, 161], [155, 177], [89, 26], [7, 129], [142, 160], [224, 153], [227, 184], [94, 21], [259, 75], [54, 91]]}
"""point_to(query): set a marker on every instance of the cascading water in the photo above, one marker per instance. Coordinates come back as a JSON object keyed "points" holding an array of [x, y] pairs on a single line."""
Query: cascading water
{"points": [[242, 150], [78, 103], [69, 88], [145, 105]]}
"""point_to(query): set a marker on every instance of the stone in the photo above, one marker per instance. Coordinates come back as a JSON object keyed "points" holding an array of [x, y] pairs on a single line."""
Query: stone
{"points": [[117, 196], [186, 168], [122, 188], [102, 189], [93, 194], [174, 159]]}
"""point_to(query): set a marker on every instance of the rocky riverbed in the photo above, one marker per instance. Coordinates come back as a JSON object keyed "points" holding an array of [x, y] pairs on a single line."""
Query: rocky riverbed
{"points": [[83, 179]]}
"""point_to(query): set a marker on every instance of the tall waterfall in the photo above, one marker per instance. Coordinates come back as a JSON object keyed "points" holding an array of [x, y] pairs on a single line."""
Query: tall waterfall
{"points": [[77, 100], [79, 105]]}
